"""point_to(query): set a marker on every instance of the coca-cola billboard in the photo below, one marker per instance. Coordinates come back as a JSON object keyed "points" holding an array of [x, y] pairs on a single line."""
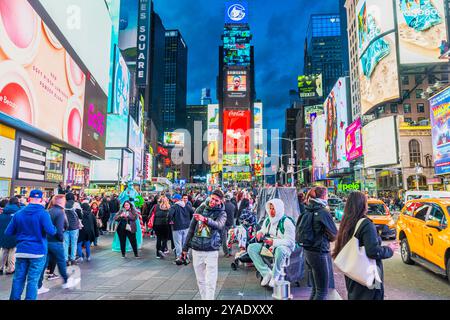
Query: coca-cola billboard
{"points": [[236, 131]]}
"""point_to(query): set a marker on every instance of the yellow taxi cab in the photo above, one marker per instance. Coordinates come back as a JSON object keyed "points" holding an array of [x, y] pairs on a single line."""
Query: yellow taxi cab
{"points": [[382, 219], [424, 235]]}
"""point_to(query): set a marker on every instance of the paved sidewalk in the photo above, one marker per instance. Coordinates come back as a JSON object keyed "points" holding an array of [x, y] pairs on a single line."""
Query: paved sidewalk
{"points": [[109, 277]]}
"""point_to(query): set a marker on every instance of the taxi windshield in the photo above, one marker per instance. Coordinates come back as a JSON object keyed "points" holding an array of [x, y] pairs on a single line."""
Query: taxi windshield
{"points": [[376, 209]]}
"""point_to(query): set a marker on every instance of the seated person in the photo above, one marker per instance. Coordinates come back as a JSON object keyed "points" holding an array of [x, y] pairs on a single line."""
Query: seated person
{"points": [[279, 233]]}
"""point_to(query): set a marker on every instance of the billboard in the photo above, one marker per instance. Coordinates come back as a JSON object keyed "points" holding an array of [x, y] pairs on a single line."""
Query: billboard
{"points": [[94, 128], [236, 46], [128, 30], [353, 140], [121, 91], [143, 41], [311, 112], [213, 117], [174, 139], [137, 144], [377, 52], [320, 160], [421, 29], [237, 83], [310, 86], [236, 12], [336, 115], [236, 160], [236, 123], [107, 170], [258, 123], [440, 132], [40, 83], [380, 143], [213, 151], [115, 128]]}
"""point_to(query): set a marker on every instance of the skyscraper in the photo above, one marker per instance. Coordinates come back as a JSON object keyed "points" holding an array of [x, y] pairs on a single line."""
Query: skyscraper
{"points": [[323, 49], [206, 97], [175, 81]]}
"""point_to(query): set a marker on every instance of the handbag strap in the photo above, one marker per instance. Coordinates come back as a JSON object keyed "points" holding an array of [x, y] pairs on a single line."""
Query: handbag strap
{"points": [[358, 225]]}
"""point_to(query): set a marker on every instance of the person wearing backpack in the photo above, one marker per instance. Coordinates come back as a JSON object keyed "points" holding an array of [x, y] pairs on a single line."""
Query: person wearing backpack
{"points": [[279, 231], [355, 210], [314, 231], [73, 217], [161, 227]]}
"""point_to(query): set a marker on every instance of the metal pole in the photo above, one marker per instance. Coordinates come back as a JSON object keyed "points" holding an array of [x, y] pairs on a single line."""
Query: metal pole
{"points": [[292, 163]]}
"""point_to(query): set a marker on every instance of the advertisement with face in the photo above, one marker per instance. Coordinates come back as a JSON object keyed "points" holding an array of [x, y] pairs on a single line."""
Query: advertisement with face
{"points": [[310, 86], [94, 128], [380, 142], [236, 139], [378, 65], [421, 29], [320, 160], [237, 84], [440, 132], [353, 141], [121, 85], [40, 83], [336, 115], [312, 112]]}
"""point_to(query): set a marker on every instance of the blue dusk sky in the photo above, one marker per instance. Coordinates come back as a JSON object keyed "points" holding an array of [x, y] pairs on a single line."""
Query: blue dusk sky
{"points": [[278, 28]]}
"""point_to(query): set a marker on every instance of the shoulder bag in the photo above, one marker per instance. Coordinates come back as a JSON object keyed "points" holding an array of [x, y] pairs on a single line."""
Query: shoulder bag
{"points": [[354, 263]]}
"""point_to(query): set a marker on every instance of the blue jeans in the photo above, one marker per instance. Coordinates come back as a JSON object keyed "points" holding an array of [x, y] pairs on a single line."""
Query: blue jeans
{"points": [[87, 244], [70, 240], [28, 270], [281, 254], [179, 237], [55, 252]]}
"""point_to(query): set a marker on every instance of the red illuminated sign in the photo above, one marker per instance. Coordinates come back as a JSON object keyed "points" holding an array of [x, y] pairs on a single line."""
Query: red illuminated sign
{"points": [[163, 151], [236, 137]]}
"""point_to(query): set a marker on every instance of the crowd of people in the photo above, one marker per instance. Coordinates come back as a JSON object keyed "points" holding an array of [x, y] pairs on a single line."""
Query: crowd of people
{"points": [[38, 234]]}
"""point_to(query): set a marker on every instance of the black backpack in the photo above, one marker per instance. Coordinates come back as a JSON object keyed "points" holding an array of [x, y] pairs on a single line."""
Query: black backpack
{"points": [[304, 232]]}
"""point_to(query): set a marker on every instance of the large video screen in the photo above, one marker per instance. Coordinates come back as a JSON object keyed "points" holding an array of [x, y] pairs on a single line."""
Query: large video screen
{"points": [[377, 50], [421, 29], [115, 129], [310, 86], [122, 79], [320, 159], [353, 140], [236, 125], [380, 143], [236, 46], [174, 139], [128, 29], [336, 114], [440, 124], [237, 83], [312, 112]]}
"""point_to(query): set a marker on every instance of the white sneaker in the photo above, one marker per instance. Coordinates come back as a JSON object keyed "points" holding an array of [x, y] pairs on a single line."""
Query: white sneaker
{"points": [[266, 279], [272, 283], [71, 282], [43, 290]]}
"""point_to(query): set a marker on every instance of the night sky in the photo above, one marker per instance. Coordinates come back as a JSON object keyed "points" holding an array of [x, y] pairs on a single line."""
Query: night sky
{"points": [[278, 28]]}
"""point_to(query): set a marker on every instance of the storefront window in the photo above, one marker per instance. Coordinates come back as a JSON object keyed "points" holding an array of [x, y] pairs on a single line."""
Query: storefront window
{"points": [[54, 166]]}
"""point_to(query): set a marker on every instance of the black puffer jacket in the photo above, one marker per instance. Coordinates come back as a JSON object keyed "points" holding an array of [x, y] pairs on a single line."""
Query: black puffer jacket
{"points": [[161, 217], [90, 230], [73, 216], [323, 225], [368, 237], [210, 238]]}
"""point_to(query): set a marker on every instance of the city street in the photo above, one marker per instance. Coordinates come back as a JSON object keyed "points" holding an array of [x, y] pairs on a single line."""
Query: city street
{"points": [[109, 277]]}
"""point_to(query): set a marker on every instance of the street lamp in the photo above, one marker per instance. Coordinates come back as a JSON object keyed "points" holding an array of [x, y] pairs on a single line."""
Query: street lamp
{"points": [[282, 167], [291, 159]]}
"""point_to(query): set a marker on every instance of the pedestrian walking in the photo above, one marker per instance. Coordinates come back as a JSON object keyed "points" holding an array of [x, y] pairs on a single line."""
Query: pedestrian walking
{"points": [[161, 227], [230, 209], [315, 230], [73, 216], [8, 243], [356, 211], [106, 215], [56, 245], [30, 225], [114, 208], [126, 228], [88, 233], [179, 218], [204, 238]]}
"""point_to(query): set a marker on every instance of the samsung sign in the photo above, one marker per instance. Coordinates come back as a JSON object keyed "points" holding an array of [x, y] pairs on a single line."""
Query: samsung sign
{"points": [[236, 12], [143, 42]]}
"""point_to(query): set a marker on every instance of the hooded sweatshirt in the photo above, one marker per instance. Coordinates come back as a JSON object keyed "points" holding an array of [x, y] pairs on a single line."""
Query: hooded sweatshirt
{"points": [[279, 239], [179, 216], [31, 226]]}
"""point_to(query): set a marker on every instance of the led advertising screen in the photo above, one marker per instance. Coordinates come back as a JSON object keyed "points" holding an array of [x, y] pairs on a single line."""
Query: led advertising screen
{"points": [[107, 170], [336, 115], [380, 143], [121, 86], [174, 139], [116, 126], [213, 116], [310, 86], [236, 124], [377, 49], [353, 140], [128, 29], [236, 46], [40, 83], [311, 112], [421, 29], [136, 143], [320, 159], [94, 128], [237, 83], [213, 151], [258, 123], [236, 160], [440, 132], [236, 12]]}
